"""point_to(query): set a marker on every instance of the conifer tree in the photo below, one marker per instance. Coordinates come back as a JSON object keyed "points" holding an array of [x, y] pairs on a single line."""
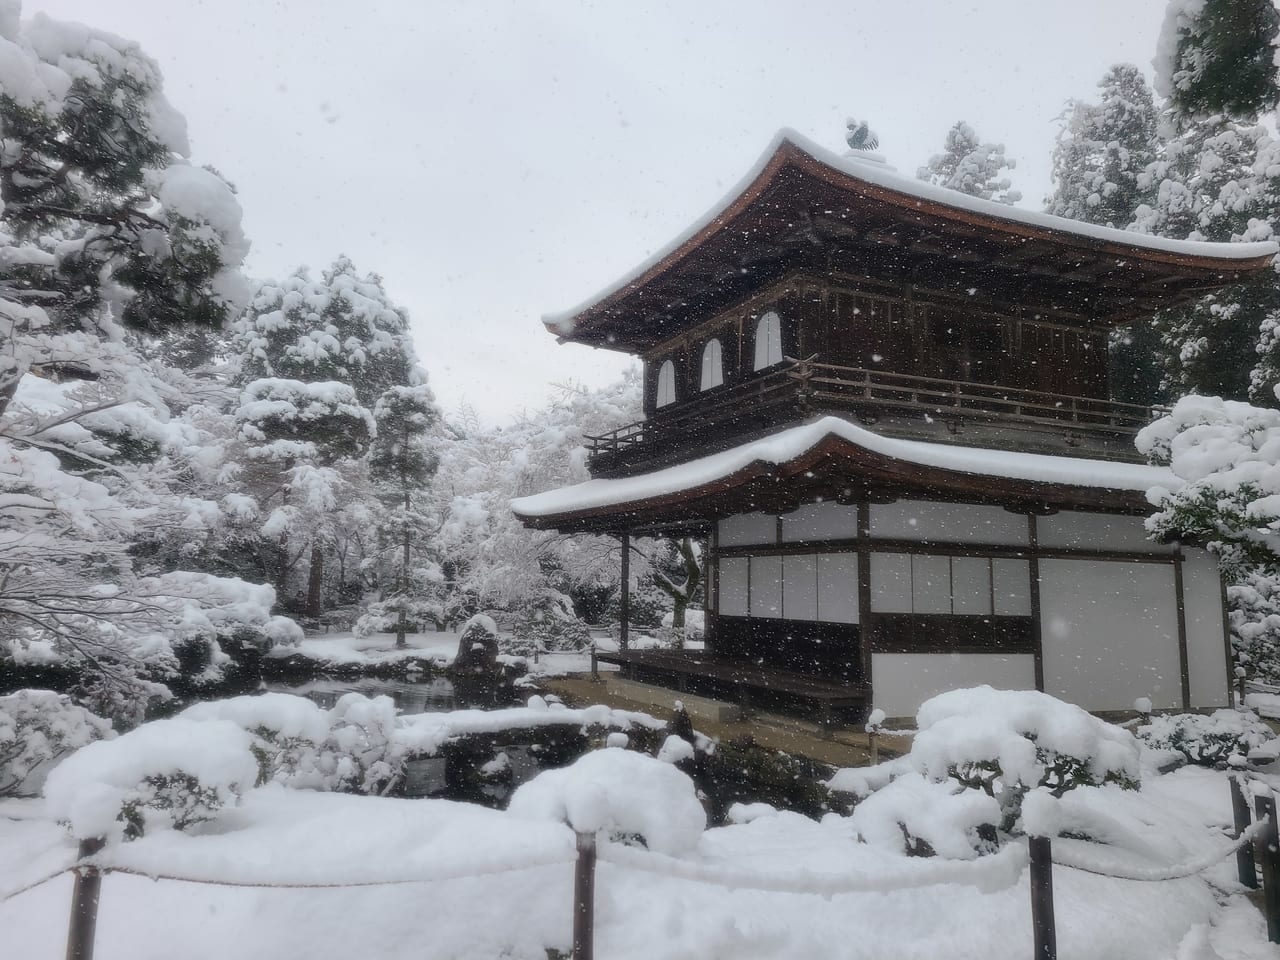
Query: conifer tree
{"points": [[1218, 57], [1099, 162], [401, 463], [299, 341], [971, 166]]}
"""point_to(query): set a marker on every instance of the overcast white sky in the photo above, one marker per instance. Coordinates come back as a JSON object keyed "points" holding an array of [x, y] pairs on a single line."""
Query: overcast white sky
{"points": [[495, 161]]}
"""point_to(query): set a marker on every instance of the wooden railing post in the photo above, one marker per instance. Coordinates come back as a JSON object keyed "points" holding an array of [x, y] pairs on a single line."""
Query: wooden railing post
{"points": [[84, 903], [624, 605], [1244, 856], [584, 895], [1269, 854], [1043, 925]]}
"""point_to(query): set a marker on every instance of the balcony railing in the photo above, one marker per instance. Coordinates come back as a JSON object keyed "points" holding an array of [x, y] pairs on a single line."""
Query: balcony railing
{"points": [[805, 387]]}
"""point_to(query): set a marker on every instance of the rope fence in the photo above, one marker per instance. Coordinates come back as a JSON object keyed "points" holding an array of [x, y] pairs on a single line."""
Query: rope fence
{"points": [[1255, 841]]}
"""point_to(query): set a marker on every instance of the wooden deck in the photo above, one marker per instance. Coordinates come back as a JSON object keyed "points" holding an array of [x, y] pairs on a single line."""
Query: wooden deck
{"points": [[697, 670]]}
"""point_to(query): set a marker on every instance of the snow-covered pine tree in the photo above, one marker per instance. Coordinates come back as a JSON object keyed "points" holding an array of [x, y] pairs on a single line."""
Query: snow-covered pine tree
{"points": [[1102, 152], [1218, 57], [971, 166], [1208, 184], [402, 460], [300, 340], [107, 235]]}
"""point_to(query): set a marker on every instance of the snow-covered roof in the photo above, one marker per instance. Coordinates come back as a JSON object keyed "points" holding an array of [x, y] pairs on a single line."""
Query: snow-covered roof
{"points": [[854, 170], [793, 443]]}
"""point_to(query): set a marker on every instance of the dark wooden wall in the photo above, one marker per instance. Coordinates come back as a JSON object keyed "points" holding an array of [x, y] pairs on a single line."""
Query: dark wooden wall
{"points": [[831, 650], [870, 325]]}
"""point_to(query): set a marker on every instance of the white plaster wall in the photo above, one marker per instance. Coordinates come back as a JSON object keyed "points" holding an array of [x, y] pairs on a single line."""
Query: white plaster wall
{"points": [[900, 682], [1075, 529], [748, 528], [947, 523], [1206, 638], [820, 521], [733, 586], [1110, 633]]}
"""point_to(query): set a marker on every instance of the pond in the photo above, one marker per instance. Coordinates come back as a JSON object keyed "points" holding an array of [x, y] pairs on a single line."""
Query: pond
{"points": [[437, 695]]}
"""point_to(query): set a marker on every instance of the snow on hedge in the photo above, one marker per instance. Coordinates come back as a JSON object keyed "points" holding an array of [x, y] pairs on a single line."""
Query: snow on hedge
{"points": [[1222, 736], [176, 771], [620, 793], [1032, 738]]}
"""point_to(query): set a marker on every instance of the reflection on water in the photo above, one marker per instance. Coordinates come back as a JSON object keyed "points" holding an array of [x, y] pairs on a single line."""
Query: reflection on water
{"points": [[432, 696]]}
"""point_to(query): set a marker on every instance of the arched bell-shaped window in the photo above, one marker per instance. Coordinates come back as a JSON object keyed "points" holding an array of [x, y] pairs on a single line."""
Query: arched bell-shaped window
{"points": [[666, 384], [712, 365], [768, 340]]}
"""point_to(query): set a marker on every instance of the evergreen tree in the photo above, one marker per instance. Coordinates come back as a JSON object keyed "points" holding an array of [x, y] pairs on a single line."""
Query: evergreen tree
{"points": [[298, 342], [971, 166], [1208, 184], [1102, 153], [401, 464], [1218, 57], [1103, 150]]}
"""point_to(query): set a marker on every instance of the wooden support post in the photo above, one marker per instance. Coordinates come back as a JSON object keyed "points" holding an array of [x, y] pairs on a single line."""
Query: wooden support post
{"points": [[1244, 856], [84, 904], [595, 664], [1269, 853], [584, 895], [624, 606], [873, 740], [1044, 928]]}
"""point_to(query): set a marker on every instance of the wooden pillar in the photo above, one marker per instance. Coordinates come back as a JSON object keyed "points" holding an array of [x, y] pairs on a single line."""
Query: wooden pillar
{"points": [[1244, 856], [84, 904], [624, 605], [1033, 563], [1184, 660], [584, 895], [1043, 923]]}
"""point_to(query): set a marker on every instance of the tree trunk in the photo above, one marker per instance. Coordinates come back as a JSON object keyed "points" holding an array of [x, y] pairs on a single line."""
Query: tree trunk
{"points": [[403, 620], [315, 583]]}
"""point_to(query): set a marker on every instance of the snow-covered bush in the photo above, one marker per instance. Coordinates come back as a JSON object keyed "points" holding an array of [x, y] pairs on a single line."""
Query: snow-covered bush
{"points": [[172, 772], [1253, 605], [38, 728], [1006, 742], [922, 817], [620, 793], [1206, 740], [547, 624], [349, 749]]}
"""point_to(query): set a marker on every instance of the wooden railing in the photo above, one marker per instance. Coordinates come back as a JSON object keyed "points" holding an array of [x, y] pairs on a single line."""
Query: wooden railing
{"points": [[808, 386]]}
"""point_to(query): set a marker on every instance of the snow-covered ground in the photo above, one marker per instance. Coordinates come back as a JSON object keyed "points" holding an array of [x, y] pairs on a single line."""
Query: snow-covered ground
{"points": [[517, 902], [376, 649]]}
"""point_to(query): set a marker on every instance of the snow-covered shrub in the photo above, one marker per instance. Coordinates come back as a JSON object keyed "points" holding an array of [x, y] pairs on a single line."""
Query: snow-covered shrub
{"points": [[545, 625], [38, 728], [922, 817], [361, 754], [620, 793], [1206, 740], [349, 749], [1006, 742], [1253, 605], [172, 772]]}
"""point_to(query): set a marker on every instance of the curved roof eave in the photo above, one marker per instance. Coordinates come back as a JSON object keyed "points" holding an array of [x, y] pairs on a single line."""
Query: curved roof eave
{"points": [[797, 449], [887, 185]]}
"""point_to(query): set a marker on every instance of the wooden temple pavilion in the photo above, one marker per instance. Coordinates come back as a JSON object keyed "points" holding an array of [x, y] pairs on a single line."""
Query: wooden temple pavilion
{"points": [[885, 407]]}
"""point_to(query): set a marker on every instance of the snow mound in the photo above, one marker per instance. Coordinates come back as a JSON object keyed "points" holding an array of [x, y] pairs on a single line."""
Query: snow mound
{"points": [[619, 792], [282, 714], [89, 788]]}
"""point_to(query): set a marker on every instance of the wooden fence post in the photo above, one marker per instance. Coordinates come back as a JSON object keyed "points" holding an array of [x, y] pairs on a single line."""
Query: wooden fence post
{"points": [[1244, 856], [1269, 853], [84, 903], [584, 896], [595, 664], [1044, 928]]}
